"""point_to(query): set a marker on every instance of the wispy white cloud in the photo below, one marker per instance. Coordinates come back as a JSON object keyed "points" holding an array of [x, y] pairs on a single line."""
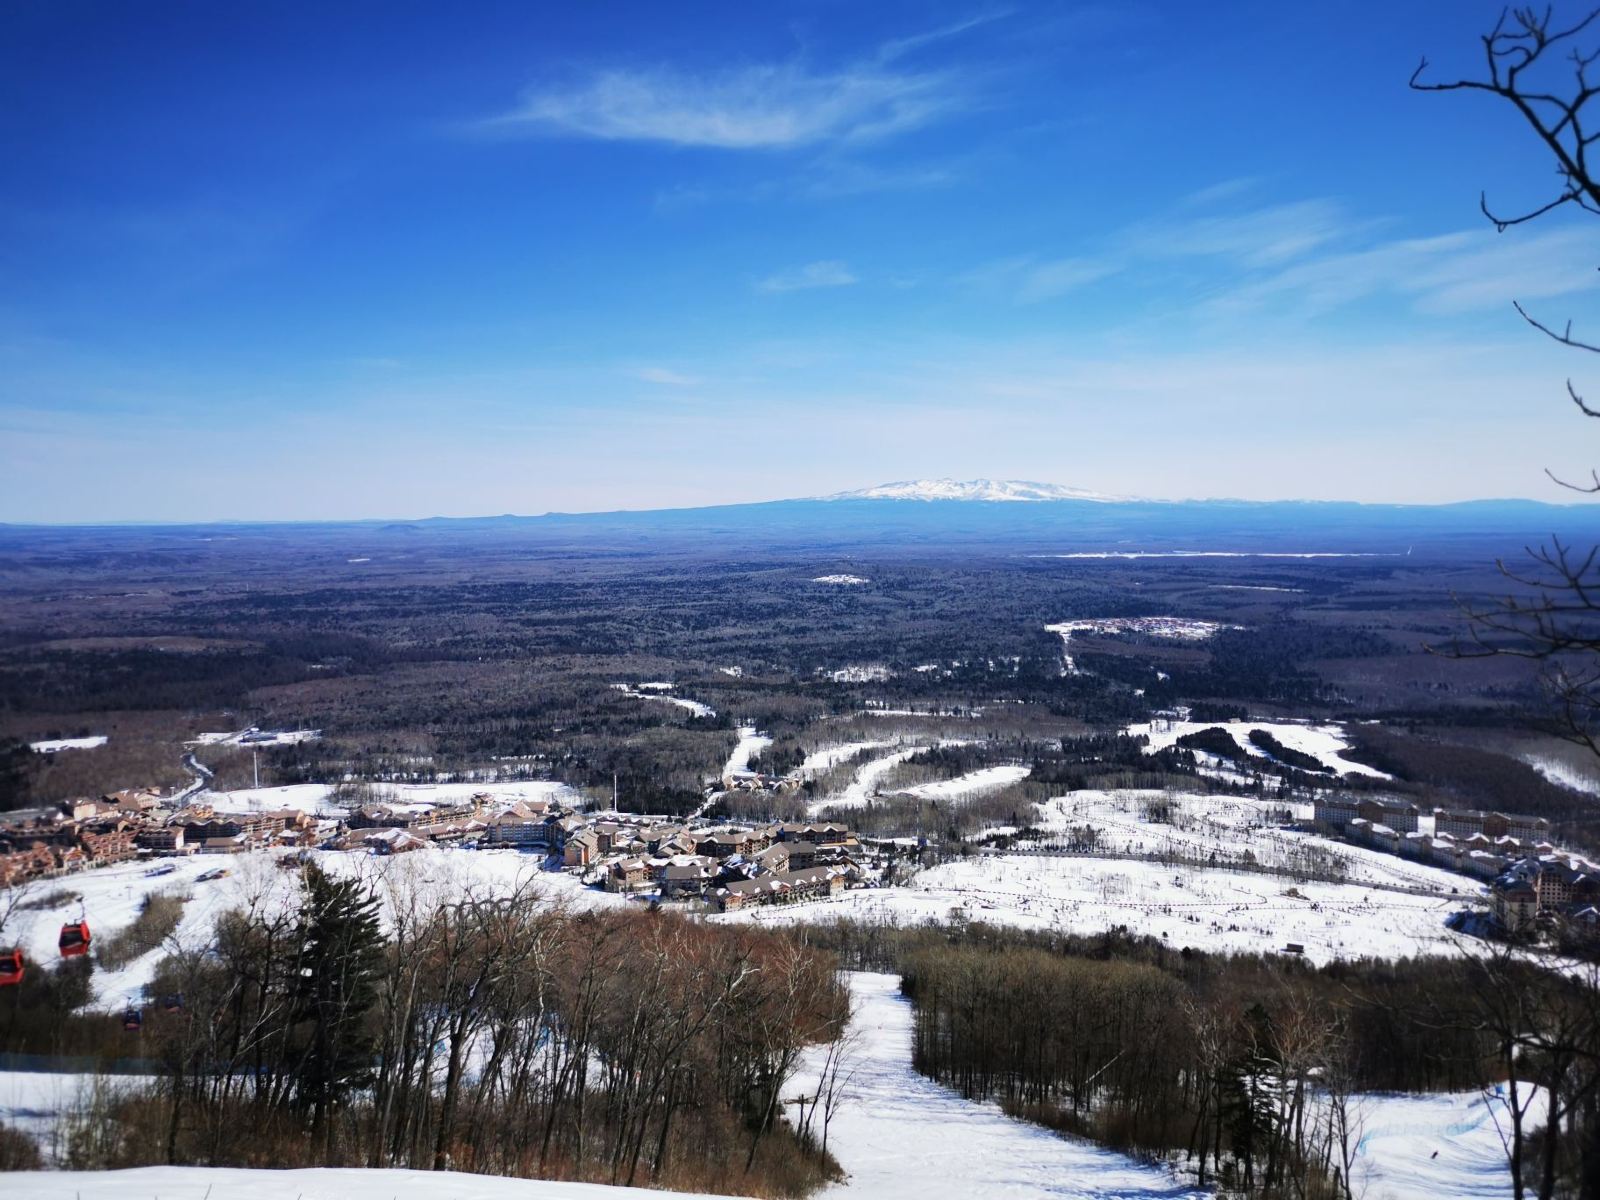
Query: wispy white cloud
{"points": [[825, 274], [1444, 275], [900, 47], [1261, 237], [760, 107], [665, 376], [1029, 280]]}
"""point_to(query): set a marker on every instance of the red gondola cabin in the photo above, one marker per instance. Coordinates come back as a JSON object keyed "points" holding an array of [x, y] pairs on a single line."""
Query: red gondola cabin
{"points": [[10, 967], [74, 939], [132, 1020]]}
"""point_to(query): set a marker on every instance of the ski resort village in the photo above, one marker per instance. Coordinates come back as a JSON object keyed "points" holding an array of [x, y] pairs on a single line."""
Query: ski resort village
{"points": [[1282, 850], [946, 600]]}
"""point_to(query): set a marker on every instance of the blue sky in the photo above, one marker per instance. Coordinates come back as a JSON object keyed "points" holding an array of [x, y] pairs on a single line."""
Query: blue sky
{"points": [[402, 259]]}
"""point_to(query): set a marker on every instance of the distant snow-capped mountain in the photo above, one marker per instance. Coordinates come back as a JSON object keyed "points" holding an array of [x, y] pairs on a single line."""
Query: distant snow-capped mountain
{"points": [[1008, 490]]}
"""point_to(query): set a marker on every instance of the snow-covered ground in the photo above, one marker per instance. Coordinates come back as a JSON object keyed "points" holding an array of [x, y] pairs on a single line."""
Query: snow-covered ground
{"points": [[83, 743], [832, 756], [859, 673], [318, 797], [1563, 773], [111, 897], [862, 787], [900, 1136], [262, 738], [842, 580], [1213, 909], [1231, 827], [991, 490], [1187, 629], [1325, 743], [238, 1183], [655, 691], [749, 745], [973, 783], [1433, 1146], [1134, 554]]}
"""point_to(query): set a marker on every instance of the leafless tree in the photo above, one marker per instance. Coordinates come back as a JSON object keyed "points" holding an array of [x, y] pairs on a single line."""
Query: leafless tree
{"points": [[1544, 69]]}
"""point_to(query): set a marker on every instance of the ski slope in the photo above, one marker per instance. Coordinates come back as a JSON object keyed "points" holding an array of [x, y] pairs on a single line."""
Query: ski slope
{"points": [[1325, 743], [237, 1183], [900, 1136]]}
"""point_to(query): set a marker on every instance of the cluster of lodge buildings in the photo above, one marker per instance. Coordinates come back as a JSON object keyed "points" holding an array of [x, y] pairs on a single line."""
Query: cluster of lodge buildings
{"points": [[1547, 885], [79, 834], [1481, 844], [727, 868]]}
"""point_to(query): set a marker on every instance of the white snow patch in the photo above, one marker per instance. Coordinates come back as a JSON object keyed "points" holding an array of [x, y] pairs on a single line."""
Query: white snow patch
{"points": [[749, 745], [655, 693], [994, 490], [256, 737], [1565, 774], [323, 1183], [59, 744], [901, 1136], [859, 673], [1218, 910], [1189, 629], [1325, 743], [973, 783], [832, 756], [1221, 554], [842, 580]]}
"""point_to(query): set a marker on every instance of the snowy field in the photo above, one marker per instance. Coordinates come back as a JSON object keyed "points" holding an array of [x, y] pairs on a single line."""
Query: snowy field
{"points": [[1185, 629], [83, 743], [832, 756], [749, 745], [1433, 1146], [842, 580], [1325, 743], [256, 737], [1210, 909], [973, 783], [900, 1136], [658, 691], [1229, 827], [317, 798], [233, 1183]]}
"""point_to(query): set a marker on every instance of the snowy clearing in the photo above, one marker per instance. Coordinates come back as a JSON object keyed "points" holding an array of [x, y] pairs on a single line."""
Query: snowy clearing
{"points": [[750, 744], [900, 1136], [83, 743], [655, 693], [1187, 629], [256, 737], [1565, 774], [1435, 1145], [317, 798], [1228, 829], [832, 756], [238, 1183], [973, 783], [1222, 554], [1215, 910], [1325, 743], [842, 580], [859, 673]]}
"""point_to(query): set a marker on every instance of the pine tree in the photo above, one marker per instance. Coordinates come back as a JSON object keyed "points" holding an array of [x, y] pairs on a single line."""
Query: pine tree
{"points": [[338, 960]]}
